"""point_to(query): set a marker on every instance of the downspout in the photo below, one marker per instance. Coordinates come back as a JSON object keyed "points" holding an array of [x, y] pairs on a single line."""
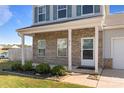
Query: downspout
{"points": [[103, 24]]}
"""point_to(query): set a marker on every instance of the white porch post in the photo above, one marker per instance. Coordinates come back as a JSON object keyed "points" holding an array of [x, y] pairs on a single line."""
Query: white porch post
{"points": [[69, 49], [96, 48], [23, 51]]}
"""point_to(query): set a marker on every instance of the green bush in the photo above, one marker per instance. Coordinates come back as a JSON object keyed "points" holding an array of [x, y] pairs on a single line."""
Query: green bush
{"points": [[58, 70], [16, 66], [43, 68], [28, 66]]}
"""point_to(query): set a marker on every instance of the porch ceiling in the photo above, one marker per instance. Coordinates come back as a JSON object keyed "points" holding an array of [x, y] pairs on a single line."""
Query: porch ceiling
{"points": [[78, 24]]}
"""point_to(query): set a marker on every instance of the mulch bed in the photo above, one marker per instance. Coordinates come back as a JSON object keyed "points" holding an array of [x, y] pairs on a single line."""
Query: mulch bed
{"points": [[33, 74], [29, 73]]}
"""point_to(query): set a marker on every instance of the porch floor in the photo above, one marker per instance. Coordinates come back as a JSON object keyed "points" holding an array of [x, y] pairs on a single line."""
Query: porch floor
{"points": [[85, 71]]}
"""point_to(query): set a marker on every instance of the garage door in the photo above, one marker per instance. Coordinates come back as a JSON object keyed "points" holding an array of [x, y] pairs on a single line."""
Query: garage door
{"points": [[118, 53]]}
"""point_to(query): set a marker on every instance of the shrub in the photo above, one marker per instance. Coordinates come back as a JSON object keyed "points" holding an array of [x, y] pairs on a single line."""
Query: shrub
{"points": [[43, 68], [28, 66], [16, 66], [58, 70]]}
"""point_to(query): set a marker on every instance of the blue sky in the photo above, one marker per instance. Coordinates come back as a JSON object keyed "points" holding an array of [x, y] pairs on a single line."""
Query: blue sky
{"points": [[14, 17], [18, 17]]}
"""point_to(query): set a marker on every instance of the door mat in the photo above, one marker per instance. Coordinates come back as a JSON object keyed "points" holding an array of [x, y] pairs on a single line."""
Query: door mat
{"points": [[86, 67]]}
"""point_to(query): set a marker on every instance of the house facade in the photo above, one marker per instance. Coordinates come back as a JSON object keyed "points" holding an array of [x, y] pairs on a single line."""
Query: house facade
{"points": [[71, 35]]}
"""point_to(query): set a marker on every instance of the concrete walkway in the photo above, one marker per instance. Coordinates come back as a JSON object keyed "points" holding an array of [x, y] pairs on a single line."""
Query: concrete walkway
{"points": [[107, 79], [80, 79], [111, 79]]}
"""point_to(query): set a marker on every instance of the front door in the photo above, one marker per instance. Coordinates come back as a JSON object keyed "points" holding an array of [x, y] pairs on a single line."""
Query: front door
{"points": [[87, 52]]}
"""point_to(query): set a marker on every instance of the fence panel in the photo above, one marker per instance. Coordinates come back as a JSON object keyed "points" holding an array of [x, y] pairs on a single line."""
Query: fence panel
{"points": [[15, 54]]}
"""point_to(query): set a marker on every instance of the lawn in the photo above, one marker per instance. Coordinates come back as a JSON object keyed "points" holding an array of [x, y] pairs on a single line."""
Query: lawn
{"points": [[14, 81], [11, 81]]}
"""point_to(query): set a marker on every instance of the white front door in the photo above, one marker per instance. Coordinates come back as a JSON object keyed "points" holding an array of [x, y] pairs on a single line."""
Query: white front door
{"points": [[87, 51], [118, 53]]}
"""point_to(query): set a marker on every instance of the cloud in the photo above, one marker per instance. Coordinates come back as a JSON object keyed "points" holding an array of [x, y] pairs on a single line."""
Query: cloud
{"points": [[19, 21], [5, 14]]}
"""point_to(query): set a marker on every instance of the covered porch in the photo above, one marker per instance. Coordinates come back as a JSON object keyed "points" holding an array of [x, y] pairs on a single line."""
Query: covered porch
{"points": [[69, 27]]}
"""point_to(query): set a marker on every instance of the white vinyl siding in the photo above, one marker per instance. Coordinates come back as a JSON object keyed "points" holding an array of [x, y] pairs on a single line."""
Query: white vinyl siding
{"points": [[62, 47], [41, 47]]}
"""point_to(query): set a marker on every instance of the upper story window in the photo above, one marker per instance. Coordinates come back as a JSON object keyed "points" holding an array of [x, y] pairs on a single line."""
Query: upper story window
{"points": [[87, 9], [61, 11], [42, 13], [49, 14]]}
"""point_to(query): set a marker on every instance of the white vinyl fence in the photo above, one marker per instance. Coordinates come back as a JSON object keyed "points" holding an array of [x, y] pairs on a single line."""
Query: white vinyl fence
{"points": [[15, 54]]}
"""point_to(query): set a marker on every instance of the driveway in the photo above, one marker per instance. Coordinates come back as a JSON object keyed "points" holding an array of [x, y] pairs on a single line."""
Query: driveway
{"points": [[111, 78]]}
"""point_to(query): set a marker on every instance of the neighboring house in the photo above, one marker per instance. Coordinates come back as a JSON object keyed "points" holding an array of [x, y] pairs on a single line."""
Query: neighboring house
{"points": [[76, 35]]}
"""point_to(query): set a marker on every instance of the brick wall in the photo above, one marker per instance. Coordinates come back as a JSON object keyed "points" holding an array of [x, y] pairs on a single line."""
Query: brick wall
{"points": [[51, 46]]}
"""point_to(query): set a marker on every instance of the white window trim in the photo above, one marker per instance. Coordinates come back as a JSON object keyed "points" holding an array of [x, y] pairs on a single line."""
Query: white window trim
{"points": [[60, 10], [87, 49], [42, 48], [41, 13], [66, 47]]}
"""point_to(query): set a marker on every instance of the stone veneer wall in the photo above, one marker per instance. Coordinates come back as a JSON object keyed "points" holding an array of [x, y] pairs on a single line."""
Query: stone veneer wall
{"points": [[51, 46], [108, 63], [76, 43], [101, 64]]}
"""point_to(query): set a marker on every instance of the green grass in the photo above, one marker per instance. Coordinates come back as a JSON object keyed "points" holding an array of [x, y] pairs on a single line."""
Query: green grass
{"points": [[14, 81]]}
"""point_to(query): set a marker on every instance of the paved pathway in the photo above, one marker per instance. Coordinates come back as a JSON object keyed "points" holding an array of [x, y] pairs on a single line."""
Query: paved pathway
{"points": [[81, 79], [111, 79], [108, 79]]}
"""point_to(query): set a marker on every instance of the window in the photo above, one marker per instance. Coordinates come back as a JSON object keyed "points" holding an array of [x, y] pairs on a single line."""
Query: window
{"points": [[42, 13], [62, 11], [87, 48], [62, 47], [86, 9], [41, 47]]}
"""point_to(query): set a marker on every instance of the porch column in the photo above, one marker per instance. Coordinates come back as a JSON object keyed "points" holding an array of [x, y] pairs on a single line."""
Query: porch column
{"points": [[69, 49], [96, 48], [23, 51]]}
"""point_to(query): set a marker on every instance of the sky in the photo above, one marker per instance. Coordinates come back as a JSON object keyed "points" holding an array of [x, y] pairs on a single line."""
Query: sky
{"points": [[15, 17]]}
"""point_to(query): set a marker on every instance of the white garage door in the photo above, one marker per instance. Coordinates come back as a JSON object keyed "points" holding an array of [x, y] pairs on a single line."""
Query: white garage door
{"points": [[118, 53]]}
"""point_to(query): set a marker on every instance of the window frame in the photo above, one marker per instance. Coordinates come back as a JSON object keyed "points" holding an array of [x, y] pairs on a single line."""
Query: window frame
{"points": [[39, 55], [60, 10], [42, 13], [66, 47]]}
